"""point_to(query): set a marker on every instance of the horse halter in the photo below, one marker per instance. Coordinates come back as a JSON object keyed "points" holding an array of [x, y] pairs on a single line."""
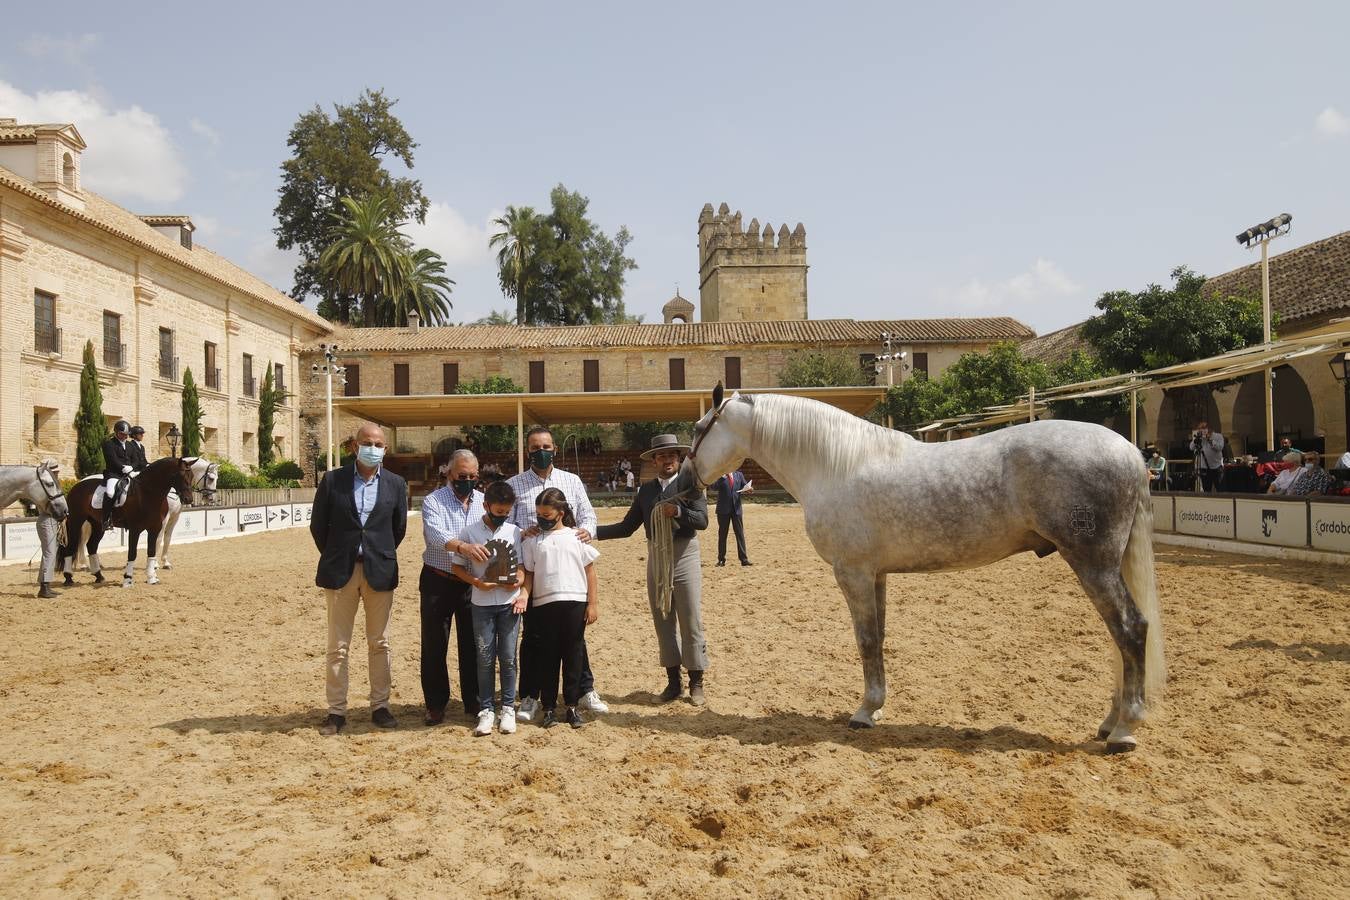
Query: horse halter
{"points": [[698, 439], [51, 488], [199, 486]]}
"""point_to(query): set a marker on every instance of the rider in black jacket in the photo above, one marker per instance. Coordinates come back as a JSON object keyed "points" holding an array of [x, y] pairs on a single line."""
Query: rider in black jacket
{"points": [[118, 463], [136, 449]]}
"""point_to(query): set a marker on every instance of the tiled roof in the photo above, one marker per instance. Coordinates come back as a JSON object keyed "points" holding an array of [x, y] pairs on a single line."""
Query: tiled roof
{"points": [[1307, 281], [1057, 346], [126, 225], [166, 220], [798, 332], [19, 134]]}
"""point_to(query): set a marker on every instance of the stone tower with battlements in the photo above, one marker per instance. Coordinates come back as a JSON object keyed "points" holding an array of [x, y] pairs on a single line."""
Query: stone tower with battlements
{"points": [[749, 275]]}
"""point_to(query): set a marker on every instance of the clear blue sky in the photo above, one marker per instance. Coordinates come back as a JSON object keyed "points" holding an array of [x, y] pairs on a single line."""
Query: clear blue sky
{"points": [[946, 159]]}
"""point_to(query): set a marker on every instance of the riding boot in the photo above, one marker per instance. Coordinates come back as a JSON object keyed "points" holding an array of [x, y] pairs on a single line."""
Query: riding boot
{"points": [[45, 591], [673, 687], [696, 687]]}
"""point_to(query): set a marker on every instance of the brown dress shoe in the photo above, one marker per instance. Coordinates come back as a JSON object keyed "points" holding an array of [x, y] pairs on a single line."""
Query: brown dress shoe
{"points": [[434, 717], [383, 718], [333, 724]]}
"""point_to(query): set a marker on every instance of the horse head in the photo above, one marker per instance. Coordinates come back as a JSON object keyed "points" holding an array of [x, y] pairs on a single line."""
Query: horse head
{"points": [[46, 493], [721, 440], [202, 475]]}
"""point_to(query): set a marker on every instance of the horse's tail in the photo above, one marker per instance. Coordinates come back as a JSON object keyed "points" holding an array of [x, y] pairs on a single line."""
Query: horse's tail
{"points": [[1137, 569]]}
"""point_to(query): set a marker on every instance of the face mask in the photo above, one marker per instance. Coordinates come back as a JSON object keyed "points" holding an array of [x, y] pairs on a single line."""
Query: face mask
{"points": [[497, 521], [370, 456], [540, 460], [548, 524], [463, 487], [1310, 465]]}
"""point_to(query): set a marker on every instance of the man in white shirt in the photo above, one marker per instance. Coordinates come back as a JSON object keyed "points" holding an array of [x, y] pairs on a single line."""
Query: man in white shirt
{"points": [[528, 484], [1207, 446]]}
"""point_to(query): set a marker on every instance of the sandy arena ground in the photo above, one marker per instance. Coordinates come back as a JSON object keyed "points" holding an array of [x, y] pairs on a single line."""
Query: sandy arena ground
{"points": [[163, 741]]}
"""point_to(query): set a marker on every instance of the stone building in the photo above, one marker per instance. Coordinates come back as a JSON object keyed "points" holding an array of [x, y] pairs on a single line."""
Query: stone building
{"points": [[75, 267], [746, 275]]}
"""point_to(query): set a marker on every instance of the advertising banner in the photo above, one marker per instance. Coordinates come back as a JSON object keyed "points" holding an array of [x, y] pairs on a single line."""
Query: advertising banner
{"points": [[222, 521], [1204, 516], [1272, 522], [301, 513], [21, 540], [1330, 525], [253, 518], [191, 525], [1162, 514]]}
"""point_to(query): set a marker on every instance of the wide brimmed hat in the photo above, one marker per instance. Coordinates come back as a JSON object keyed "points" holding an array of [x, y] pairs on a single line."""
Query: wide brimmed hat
{"points": [[664, 442]]}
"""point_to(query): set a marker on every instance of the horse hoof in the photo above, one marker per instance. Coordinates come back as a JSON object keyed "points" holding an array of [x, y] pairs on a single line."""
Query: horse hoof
{"points": [[166, 565], [1113, 747], [98, 578], [68, 581], [126, 582], [855, 722], [1103, 733], [153, 581]]}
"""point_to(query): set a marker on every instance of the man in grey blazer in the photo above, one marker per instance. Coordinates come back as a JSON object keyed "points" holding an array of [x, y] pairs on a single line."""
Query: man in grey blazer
{"points": [[679, 633], [359, 518]]}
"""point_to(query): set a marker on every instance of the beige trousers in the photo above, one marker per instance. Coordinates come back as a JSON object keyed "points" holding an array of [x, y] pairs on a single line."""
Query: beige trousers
{"points": [[342, 605]]}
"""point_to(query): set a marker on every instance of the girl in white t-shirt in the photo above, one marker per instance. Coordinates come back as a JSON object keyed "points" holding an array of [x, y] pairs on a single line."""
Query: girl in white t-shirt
{"points": [[560, 577]]}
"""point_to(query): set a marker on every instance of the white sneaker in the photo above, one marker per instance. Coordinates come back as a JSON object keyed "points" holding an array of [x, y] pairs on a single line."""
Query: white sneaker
{"points": [[507, 725], [593, 702], [529, 708], [484, 726]]}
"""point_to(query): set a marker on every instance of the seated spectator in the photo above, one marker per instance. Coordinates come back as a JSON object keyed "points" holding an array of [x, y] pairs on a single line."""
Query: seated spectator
{"points": [[1312, 479], [1344, 461], [1157, 471], [1285, 479]]}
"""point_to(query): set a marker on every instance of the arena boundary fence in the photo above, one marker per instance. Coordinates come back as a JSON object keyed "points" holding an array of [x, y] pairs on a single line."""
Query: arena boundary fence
{"points": [[1316, 529]]}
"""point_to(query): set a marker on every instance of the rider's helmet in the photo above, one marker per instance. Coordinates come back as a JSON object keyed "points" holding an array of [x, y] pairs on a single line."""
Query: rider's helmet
{"points": [[137, 431], [122, 426]]}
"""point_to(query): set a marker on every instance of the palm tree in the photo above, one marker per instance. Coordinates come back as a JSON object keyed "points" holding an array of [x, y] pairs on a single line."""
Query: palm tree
{"points": [[496, 317], [516, 246], [425, 289], [366, 254]]}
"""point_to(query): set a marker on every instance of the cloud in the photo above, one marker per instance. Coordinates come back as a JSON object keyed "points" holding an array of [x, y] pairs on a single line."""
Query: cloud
{"points": [[1333, 122], [270, 263], [1044, 281], [204, 131], [69, 49], [131, 155], [458, 241]]}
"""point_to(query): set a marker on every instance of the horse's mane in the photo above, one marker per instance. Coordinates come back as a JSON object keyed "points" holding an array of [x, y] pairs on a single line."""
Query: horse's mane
{"points": [[800, 429]]}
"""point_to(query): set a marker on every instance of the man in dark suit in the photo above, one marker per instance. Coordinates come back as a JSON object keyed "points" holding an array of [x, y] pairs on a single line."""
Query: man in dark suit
{"points": [[136, 449], [117, 468], [679, 633], [729, 489], [359, 518]]}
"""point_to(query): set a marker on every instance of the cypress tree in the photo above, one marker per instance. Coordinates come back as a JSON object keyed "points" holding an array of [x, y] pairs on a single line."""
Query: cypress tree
{"points": [[192, 416], [267, 406], [91, 428]]}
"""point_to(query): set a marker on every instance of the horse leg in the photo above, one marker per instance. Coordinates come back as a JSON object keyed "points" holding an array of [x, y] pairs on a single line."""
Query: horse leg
{"points": [[1106, 589], [133, 538], [151, 574], [91, 550], [169, 522], [869, 628]]}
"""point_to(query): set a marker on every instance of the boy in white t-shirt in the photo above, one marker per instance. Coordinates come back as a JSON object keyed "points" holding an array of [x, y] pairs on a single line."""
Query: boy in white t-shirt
{"points": [[560, 576], [496, 607]]}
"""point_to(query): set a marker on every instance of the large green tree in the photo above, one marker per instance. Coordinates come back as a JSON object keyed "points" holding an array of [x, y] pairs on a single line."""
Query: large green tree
{"points": [[91, 427], [974, 381], [192, 416], [824, 368], [561, 269], [1161, 326], [1080, 366], [268, 399], [336, 156], [490, 437]]}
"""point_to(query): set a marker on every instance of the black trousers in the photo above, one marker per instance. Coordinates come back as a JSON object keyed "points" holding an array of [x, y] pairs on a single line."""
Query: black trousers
{"points": [[1211, 480], [532, 654], [723, 520], [446, 600], [561, 627]]}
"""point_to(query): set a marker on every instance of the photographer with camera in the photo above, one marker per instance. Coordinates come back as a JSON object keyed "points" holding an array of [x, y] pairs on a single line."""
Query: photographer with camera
{"points": [[1207, 446]]}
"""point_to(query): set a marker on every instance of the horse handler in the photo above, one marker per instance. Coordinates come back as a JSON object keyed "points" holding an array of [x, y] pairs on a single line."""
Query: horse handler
{"points": [[360, 516], [679, 632]]}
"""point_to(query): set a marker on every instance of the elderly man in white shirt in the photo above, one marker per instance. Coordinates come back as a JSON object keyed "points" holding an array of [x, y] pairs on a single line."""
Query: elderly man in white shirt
{"points": [[1283, 481], [528, 485]]}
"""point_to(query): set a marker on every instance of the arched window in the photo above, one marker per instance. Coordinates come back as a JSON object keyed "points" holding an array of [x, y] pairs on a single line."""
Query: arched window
{"points": [[68, 171]]}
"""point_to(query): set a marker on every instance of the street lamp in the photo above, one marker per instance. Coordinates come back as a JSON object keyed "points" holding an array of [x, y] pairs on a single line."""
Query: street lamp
{"points": [[888, 360], [173, 436], [1262, 235], [328, 369]]}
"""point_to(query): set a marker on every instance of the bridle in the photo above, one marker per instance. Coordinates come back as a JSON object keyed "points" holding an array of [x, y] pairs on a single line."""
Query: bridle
{"points": [[52, 488], [698, 439], [199, 485]]}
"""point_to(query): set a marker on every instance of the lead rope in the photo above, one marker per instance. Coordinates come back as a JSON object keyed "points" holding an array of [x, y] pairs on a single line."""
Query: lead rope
{"points": [[663, 556]]}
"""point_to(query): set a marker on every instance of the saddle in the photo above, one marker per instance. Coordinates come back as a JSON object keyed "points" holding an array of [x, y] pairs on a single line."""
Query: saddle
{"points": [[100, 497]]}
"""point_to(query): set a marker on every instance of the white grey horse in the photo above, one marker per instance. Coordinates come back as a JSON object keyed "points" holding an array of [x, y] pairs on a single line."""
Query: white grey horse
{"points": [[878, 501], [40, 485]]}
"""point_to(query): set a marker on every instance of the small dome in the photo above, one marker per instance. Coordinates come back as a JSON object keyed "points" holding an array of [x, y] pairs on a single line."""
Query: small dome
{"points": [[678, 309]]}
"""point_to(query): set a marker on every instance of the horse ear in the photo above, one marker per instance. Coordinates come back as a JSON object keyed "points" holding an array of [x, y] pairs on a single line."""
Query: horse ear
{"points": [[717, 395]]}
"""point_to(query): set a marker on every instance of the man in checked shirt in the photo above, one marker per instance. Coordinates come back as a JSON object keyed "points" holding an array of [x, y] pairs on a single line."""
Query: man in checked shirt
{"points": [[527, 485]]}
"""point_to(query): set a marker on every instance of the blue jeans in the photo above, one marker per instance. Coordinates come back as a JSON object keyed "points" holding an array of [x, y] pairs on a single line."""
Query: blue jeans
{"points": [[495, 629]]}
